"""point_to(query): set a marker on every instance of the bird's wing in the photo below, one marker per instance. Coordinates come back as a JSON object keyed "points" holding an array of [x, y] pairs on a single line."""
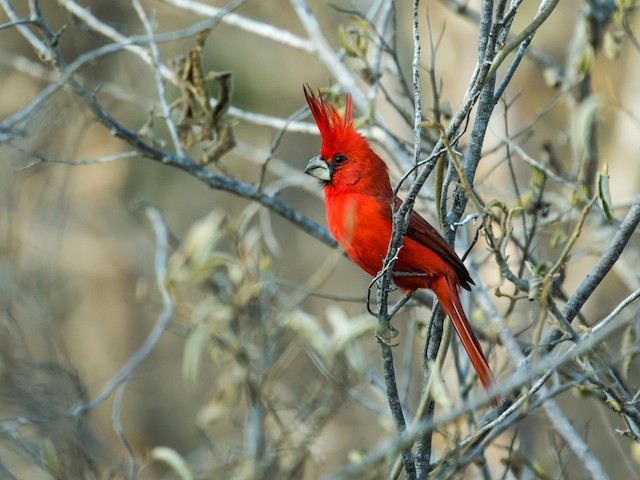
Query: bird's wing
{"points": [[425, 234]]}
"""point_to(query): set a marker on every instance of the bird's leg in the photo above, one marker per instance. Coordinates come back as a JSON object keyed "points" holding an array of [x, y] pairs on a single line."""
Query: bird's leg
{"points": [[405, 298], [390, 331], [378, 282], [386, 332]]}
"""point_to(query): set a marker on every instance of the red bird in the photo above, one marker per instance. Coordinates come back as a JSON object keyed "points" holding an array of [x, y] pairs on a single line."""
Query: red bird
{"points": [[358, 198]]}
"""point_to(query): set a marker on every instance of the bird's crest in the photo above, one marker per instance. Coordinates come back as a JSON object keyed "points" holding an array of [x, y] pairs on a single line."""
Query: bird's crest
{"points": [[336, 130]]}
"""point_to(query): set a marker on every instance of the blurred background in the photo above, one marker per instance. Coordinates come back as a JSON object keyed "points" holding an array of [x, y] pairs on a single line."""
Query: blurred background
{"points": [[78, 288]]}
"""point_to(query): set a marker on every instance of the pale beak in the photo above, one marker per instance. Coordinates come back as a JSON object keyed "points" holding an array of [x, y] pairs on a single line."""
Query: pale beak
{"points": [[317, 167]]}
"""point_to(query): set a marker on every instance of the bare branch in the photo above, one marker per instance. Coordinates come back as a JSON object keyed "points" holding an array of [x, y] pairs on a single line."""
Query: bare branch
{"points": [[160, 265]]}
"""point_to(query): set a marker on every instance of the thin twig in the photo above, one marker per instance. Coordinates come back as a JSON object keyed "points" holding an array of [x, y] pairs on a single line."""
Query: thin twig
{"points": [[160, 265], [116, 414], [156, 64]]}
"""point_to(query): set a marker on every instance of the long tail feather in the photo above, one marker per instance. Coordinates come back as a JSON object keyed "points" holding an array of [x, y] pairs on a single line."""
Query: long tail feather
{"points": [[447, 294]]}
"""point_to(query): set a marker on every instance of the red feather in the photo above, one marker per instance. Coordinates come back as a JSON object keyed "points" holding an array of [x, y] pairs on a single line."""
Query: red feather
{"points": [[358, 199]]}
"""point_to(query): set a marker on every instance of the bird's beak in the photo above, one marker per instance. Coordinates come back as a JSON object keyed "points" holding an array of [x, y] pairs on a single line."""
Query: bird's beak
{"points": [[317, 167]]}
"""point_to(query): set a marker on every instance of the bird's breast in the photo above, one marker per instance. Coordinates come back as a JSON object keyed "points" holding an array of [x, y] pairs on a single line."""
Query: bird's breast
{"points": [[359, 224]]}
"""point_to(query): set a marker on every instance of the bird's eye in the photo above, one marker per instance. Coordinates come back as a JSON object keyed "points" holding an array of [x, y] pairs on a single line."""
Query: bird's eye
{"points": [[339, 159]]}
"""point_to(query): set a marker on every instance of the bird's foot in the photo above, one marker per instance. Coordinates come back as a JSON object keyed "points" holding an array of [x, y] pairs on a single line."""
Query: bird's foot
{"points": [[387, 334], [391, 288]]}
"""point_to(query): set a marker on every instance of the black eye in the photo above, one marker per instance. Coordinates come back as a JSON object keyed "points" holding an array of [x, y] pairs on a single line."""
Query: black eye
{"points": [[339, 159]]}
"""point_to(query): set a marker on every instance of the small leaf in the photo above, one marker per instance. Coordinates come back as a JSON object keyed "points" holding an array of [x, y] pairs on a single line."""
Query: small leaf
{"points": [[526, 199], [309, 330], [346, 43], [227, 396], [201, 37], [577, 199], [553, 77], [542, 267], [585, 62], [265, 260], [538, 179], [354, 39], [582, 124], [174, 460], [345, 329], [604, 195], [558, 238], [202, 238], [355, 457], [629, 349], [635, 453], [193, 352], [612, 45], [50, 455]]}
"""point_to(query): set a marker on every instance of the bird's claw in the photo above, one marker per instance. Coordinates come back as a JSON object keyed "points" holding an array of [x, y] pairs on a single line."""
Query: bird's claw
{"points": [[388, 333], [391, 288]]}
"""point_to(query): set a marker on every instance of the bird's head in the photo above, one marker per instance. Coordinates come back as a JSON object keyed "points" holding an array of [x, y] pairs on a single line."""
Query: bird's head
{"points": [[346, 160]]}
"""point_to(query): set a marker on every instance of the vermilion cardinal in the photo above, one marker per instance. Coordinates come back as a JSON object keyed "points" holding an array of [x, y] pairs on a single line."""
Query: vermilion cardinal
{"points": [[358, 198]]}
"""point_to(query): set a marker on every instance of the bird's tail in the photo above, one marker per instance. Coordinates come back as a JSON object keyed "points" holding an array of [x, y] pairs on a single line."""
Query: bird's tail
{"points": [[447, 293]]}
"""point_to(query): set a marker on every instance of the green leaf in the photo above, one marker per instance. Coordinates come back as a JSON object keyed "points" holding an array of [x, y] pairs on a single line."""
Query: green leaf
{"points": [[50, 455], [558, 238], [612, 45], [193, 353], [582, 122], [604, 195], [174, 460]]}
